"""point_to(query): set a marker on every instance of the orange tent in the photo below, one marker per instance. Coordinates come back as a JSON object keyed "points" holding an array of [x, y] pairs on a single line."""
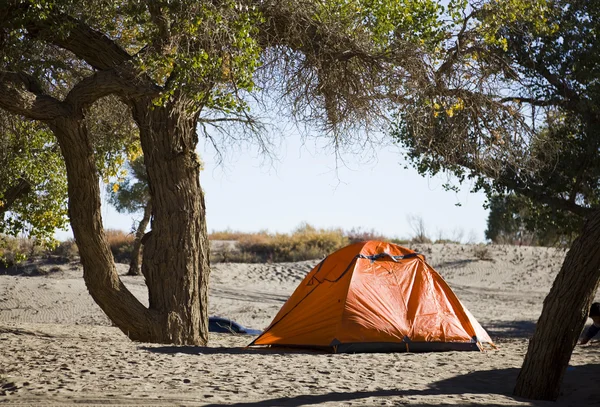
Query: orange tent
{"points": [[374, 297]]}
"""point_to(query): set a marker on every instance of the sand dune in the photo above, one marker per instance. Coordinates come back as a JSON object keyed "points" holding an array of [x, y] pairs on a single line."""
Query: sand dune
{"points": [[58, 348]]}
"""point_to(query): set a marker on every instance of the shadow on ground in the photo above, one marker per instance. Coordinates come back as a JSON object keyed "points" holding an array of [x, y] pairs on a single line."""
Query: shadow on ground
{"points": [[201, 350], [510, 329], [496, 382], [454, 264]]}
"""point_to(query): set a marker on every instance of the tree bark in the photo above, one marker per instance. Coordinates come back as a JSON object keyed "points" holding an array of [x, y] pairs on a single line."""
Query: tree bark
{"points": [[563, 317], [136, 253], [99, 271], [175, 257]]}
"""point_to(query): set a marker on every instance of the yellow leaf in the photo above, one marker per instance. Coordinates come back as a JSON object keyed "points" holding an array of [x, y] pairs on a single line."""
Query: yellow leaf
{"points": [[115, 187]]}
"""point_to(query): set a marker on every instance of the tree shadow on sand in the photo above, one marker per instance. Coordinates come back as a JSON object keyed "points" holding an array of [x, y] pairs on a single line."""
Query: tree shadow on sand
{"points": [[499, 382], [510, 329], [205, 350], [579, 386]]}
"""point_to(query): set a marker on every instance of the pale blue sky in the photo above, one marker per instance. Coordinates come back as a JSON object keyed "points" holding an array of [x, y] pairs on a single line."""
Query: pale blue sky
{"points": [[364, 191], [248, 193]]}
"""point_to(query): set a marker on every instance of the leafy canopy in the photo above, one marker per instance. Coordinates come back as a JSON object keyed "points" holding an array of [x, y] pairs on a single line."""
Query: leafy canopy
{"points": [[28, 156], [514, 104]]}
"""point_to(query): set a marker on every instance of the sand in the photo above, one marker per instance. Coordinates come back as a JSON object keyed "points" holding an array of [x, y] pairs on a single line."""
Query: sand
{"points": [[58, 348]]}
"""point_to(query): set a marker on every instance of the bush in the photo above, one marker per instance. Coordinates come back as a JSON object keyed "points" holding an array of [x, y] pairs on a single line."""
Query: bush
{"points": [[482, 252], [359, 234], [401, 242], [305, 243], [65, 251], [121, 245], [16, 250], [446, 241], [226, 235]]}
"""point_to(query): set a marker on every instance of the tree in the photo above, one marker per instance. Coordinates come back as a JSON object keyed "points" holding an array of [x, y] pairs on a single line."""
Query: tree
{"points": [[514, 104], [515, 219], [177, 64], [132, 196], [33, 191], [32, 180]]}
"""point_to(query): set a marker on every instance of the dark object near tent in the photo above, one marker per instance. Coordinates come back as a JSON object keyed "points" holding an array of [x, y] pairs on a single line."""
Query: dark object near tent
{"points": [[224, 325]]}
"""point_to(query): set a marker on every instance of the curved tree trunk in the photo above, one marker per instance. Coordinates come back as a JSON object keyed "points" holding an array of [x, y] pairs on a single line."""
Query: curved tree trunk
{"points": [[99, 271], [563, 317], [136, 253], [175, 257]]}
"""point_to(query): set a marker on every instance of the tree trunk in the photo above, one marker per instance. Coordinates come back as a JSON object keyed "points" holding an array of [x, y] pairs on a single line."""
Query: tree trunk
{"points": [[563, 317], [99, 272], [175, 257], [136, 253]]}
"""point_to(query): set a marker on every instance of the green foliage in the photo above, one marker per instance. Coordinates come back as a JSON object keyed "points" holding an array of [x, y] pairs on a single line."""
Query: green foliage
{"points": [[115, 138], [207, 50], [14, 251], [28, 153], [131, 195], [514, 107], [515, 219], [386, 22]]}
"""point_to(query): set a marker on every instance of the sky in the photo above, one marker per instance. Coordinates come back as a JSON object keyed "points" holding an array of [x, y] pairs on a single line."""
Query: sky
{"points": [[304, 182]]}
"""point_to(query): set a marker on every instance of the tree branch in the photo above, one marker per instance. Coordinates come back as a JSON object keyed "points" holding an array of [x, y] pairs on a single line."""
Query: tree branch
{"points": [[537, 194], [104, 83], [160, 19], [532, 101], [21, 94], [95, 48], [457, 49]]}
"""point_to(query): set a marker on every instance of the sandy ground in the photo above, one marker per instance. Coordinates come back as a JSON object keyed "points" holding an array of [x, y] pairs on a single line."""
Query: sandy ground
{"points": [[58, 348]]}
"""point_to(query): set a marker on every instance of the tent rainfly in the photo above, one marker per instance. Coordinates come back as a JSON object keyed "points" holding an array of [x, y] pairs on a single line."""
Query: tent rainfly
{"points": [[374, 297]]}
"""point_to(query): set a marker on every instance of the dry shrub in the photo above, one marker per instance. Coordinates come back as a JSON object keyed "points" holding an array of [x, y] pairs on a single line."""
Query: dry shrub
{"points": [[446, 241], [121, 245], [417, 224], [401, 242], [226, 235], [65, 251], [305, 243], [359, 234], [15, 250], [482, 252]]}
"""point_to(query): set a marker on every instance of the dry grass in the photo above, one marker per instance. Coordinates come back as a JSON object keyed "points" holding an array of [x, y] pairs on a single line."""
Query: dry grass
{"points": [[482, 252], [15, 250], [360, 235], [67, 250], [304, 243], [227, 235], [121, 244]]}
